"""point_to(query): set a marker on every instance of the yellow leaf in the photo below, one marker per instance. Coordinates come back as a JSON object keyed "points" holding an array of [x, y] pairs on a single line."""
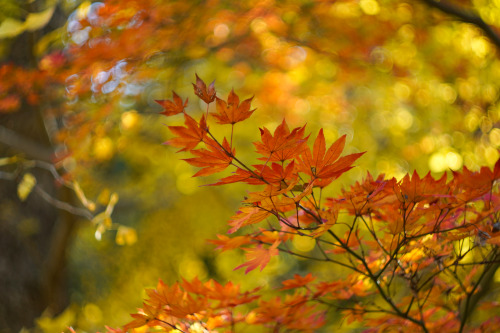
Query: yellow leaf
{"points": [[126, 236], [25, 186], [11, 28], [35, 21]]}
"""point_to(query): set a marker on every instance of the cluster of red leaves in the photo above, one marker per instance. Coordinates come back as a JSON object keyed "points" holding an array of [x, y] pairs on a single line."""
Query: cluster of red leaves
{"points": [[18, 84], [417, 248]]}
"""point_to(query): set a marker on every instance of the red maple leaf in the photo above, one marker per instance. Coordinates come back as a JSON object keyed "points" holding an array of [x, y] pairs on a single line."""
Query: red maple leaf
{"points": [[239, 175], [201, 90], [189, 136], [232, 111], [324, 164], [211, 160], [174, 107], [415, 189], [282, 145], [276, 174]]}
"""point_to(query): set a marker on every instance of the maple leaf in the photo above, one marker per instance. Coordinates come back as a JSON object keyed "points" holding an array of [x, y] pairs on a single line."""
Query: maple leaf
{"points": [[190, 136], [277, 174], [415, 189], [329, 219], [196, 286], [179, 303], [229, 294], [355, 314], [239, 175], [212, 160], [232, 112], [139, 320], [200, 90], [174, 107], [246, 216], [282, 145], [146, 315], [367, 196], [324, 164], [259, 256], [469, 186], [267, 236], [325, 288], [225, 243], [351, 240], [297, 281]]}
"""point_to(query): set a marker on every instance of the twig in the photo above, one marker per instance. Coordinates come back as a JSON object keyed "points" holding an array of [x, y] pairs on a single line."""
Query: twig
{"points": [[63, 205], [466, 16]]}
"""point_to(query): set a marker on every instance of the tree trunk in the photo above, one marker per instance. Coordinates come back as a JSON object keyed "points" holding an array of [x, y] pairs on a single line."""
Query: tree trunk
{"points": [[34, 235]]}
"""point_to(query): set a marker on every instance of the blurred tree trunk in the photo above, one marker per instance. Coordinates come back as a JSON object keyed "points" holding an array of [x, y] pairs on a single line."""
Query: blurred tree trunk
{"points": [[34, 235]]}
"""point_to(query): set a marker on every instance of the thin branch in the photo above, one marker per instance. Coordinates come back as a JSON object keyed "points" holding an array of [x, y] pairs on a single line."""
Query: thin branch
{"points": [[466, 16], [63, 205]]}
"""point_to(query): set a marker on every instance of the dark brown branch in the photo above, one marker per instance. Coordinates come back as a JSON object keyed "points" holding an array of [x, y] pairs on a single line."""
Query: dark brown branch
{"points": [[466, 16]]}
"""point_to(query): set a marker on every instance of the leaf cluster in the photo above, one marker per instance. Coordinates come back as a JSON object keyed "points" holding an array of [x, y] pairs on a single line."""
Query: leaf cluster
{"points": [[416, 250]]}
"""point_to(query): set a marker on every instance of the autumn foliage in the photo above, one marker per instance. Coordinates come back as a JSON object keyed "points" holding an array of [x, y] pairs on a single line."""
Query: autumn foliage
{"points": [[417, 250]]}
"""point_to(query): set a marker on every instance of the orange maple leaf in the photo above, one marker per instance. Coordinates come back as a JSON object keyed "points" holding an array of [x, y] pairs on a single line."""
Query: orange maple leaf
{"points": [[415, 189], [174, 301], [230, 295], [225, 243], [174, 107], [277, 174], [259, 256], [211, 160], [282, 145], [232, 112], [324, 164], [190, 136], [246, 216], [297, 281], [147, 315], [201, 90], [239, 175], [139, 320], [195, 286]]}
